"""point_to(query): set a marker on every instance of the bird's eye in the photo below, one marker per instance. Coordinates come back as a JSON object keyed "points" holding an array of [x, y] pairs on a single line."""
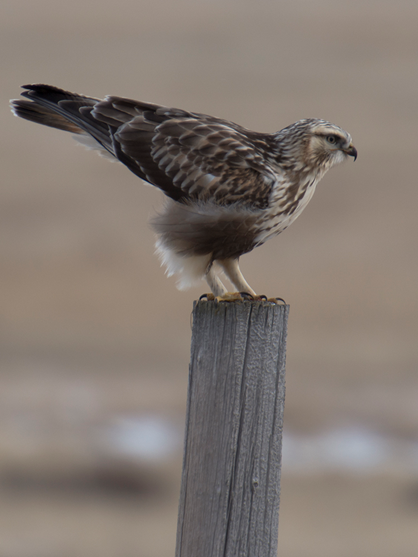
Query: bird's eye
{"points": [[332, 139]]}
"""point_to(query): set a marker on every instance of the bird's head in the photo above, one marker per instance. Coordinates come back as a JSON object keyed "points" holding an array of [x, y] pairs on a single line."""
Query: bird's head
{"points": [[328, 143], [316, 144]]}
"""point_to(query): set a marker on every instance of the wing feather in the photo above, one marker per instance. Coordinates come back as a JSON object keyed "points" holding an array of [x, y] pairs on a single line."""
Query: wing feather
{"points": [[190, 156]]}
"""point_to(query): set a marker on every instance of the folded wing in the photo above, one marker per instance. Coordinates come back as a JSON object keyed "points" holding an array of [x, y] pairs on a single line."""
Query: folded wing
{"points": [[191, 157]]}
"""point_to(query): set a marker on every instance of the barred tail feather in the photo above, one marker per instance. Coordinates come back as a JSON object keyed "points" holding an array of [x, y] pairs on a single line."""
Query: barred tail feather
{"points": [[42, 115]]}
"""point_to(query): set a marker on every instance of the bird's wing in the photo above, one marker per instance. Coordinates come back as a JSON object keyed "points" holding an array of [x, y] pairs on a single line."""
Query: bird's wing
{"points": [[187, 155], [193, 156]]}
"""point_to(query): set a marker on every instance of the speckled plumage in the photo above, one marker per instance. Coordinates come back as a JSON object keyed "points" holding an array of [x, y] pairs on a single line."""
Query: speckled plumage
{"points": [[229, 189]]}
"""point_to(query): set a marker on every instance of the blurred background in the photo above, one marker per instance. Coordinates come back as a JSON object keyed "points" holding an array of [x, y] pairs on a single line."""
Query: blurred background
{"points": [[94, 339]]}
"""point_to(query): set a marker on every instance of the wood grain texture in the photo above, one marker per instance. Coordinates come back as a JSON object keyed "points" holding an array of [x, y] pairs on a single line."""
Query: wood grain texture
{"points": [[229, 501]]}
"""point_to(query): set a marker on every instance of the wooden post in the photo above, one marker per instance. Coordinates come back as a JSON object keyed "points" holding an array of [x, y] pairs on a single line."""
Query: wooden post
{"points": [[230, 493]]}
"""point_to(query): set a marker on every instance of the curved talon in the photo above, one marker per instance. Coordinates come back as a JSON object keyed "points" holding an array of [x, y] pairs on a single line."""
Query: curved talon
{"points": [[276, 300], [246, 296], [209, 297]]}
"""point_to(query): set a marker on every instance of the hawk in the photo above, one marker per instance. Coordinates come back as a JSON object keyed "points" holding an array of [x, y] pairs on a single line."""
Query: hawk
{"points": [[228, 189]]}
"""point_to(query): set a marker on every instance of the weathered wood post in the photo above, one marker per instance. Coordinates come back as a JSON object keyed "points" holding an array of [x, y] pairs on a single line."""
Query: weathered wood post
{"points": [[230, 493]]}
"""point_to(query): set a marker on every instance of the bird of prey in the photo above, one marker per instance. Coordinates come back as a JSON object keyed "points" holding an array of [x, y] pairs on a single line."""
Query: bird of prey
{"points": [[228, 189]]}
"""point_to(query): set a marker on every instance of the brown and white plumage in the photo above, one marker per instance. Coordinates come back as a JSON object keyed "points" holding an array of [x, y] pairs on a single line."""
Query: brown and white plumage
{"points": [[229, 189]]}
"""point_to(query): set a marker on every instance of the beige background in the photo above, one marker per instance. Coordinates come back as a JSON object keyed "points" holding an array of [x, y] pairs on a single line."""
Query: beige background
{"points": [[92, 334]]}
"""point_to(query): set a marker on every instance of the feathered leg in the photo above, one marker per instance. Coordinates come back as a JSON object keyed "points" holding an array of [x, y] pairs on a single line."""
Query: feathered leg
{"points": [[233, 272], [215, 284]]}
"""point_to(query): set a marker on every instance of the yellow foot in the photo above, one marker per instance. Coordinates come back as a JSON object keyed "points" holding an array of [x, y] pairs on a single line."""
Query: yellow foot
{"points": [[233, 297], [227, 297], [240, 297]]}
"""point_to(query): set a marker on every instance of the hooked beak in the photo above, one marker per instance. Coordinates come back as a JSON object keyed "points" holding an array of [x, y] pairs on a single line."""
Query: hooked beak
{"points": [[351, 151]]}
